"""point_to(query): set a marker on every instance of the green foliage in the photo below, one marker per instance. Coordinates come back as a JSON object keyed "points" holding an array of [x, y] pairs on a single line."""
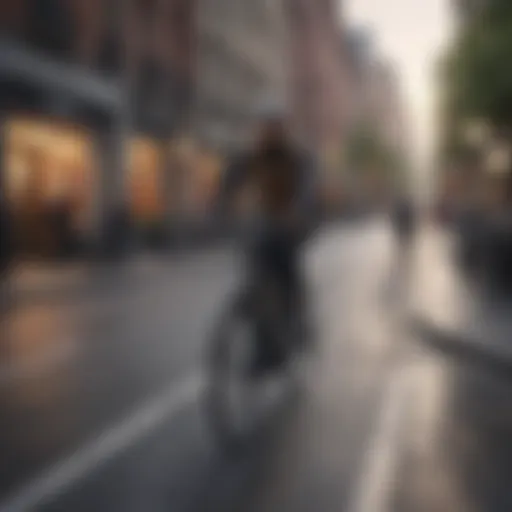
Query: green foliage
{"points": [[477, 73], [365, 150], [367, 153]]}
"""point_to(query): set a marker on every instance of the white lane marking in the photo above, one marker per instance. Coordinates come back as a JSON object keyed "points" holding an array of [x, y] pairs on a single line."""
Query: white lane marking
{"points": [[112, 442], [375, 486], [48, 361]]}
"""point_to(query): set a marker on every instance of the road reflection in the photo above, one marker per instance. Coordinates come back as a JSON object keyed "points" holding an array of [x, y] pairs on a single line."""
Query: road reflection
{"points": [[37, 388], [34, 339]]}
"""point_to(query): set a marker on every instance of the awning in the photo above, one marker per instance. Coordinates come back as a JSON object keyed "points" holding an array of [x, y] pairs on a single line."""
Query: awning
{"points": [[18, 62]]}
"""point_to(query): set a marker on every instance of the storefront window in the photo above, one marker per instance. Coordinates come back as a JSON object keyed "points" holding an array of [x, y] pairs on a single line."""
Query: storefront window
{"points": [[48, 168], [201, 170], [207, 180], [145, 181]]}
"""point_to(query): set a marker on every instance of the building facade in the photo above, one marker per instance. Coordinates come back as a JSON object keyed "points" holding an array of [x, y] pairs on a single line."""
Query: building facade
{"points": [[91, 92], [373, 90], [376, 111], [317, 85], [317, 75], [241, 58], [358, 58], [387, 109]]}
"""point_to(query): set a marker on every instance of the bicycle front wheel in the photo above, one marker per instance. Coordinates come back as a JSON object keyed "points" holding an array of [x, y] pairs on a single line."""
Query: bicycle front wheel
{"points": [[230, 392]]}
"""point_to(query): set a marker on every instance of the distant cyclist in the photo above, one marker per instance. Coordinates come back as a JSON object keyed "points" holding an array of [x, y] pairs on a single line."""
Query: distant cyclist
{"points": [[404, 222], [283, 180]]}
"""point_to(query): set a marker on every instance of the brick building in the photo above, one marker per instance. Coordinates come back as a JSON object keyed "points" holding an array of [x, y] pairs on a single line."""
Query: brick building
{"points": [[317, 72], [91, 92], [317, 85]]}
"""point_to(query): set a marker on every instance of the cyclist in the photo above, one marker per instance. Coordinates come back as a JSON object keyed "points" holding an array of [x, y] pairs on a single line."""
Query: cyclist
{"points": [[283, 180], [404, 225]]}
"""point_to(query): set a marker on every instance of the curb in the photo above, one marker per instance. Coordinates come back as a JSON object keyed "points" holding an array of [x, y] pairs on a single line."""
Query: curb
{"points": [[15, 298], [462, 347], [94, 282]]}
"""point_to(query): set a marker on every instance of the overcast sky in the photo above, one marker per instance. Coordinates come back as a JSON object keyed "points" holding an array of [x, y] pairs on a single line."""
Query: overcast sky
{"points": [[412, 33]]}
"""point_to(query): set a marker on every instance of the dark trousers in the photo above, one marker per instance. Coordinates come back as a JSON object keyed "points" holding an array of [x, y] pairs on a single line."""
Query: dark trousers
{"points": [[273, 253]]}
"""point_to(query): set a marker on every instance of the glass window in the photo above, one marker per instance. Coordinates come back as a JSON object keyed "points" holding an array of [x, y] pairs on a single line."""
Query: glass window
{"points": [[145, 178]]}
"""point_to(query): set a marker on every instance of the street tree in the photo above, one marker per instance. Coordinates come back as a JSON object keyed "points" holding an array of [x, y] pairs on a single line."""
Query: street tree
{"points": [[477, 72]]}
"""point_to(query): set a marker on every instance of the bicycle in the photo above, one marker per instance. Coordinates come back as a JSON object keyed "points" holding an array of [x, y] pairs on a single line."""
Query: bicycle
{"points": [[259, 308]]}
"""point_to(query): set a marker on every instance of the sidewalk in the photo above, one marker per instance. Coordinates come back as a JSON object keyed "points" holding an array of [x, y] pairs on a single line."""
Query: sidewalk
{"points": [[449, 311], [35, 282]]}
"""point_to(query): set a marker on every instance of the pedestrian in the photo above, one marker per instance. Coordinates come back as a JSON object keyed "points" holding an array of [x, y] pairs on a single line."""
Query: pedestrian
{"points": [[404, 220]]}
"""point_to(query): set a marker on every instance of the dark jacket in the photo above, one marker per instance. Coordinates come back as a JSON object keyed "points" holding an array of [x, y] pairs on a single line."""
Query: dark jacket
{"points": [[283, 180]]}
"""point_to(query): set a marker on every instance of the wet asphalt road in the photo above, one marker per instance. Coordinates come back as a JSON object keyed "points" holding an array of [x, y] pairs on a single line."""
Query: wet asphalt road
{"points": [[101, 402]]}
